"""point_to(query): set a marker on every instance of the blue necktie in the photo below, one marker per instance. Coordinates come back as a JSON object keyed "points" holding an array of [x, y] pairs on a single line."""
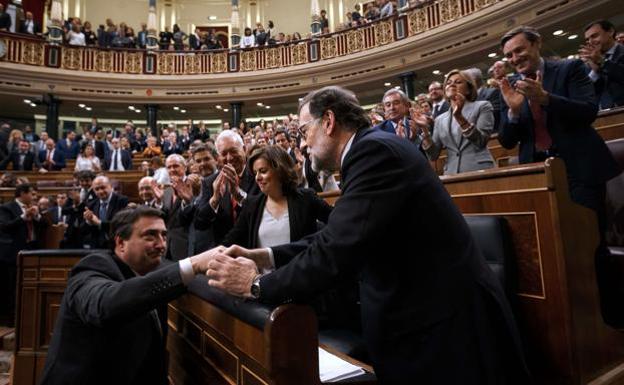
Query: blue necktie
{"points": [[102, 213]]}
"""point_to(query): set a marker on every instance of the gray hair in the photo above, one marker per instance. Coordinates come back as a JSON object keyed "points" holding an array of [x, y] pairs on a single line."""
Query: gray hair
{"points": [[393, 91], [176, 157], [477, 75], [229, 134]]}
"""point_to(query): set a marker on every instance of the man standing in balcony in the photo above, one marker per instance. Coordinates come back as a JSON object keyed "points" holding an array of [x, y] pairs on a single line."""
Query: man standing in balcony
{"points": [[605, 59], [30, 26], [386, 8], [5, 19]]}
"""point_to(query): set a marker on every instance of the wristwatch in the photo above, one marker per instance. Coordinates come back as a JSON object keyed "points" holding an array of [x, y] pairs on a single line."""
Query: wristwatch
{"points": [[255, 287]]}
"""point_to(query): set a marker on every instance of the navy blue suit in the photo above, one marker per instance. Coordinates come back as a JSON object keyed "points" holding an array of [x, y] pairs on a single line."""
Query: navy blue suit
{"points": [[433, 313], [126, 159], [58, 157], [386, 126], [70, 152], [610, 84]]}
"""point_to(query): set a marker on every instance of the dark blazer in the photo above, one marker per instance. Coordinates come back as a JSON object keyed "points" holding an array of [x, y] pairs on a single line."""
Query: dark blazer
{"points": [[107, 331], [432, 310], [30, 161], [305, 208], [36, 27], [169, 149], [97, 237], [14, 232], [443, 108], [386, 126], [610, 84], [222, 221], [177, 228], [569, 117], [58, 158], [70, 152], [126, 160]]}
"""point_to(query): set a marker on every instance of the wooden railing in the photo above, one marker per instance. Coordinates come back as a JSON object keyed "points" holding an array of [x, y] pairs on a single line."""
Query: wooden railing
{"points": [[23, 49]]}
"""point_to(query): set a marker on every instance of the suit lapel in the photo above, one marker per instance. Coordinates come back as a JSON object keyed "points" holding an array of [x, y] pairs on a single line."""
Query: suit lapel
{"points": [[550, 75]]}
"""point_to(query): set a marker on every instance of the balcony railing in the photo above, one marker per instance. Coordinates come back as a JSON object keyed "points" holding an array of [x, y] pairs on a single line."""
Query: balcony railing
{"points": [[23, 49]]}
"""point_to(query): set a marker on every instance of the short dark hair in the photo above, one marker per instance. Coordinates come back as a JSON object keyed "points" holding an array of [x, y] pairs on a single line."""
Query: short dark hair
{"points": [[23, 188], [606, 26], [123, 222], [529, 32], [282, 131], [281, 163], [85, 174], [204, 147], [345, 106]]}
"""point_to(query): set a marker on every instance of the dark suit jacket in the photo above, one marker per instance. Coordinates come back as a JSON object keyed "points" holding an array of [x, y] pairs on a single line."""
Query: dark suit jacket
{"points": [[13, 158], [177, 228], [222, 221], [126, 160], [305, 208], [24, 29], [443, 108], [106, 331], [432, 310], [168, 149], [569, 117], [493, 96], [58, 158], [386, 126], [14, 231], [97, 237], [610, 86], [70, 152]]}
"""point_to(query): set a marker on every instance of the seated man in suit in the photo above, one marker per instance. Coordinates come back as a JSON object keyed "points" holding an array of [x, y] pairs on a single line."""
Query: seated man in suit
{"points": [[99, 212], [549, 109], [118, 159], [605, 59], [434, 313], [23, 159], [51, 159], [171, 145], [224, 193], [397, 113], [150, 193], [69, 146], [112, 324], [20, 229]]}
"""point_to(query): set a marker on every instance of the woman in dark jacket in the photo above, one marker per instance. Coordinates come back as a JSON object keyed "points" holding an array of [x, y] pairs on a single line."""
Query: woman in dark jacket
{"points": [[283, 213]]}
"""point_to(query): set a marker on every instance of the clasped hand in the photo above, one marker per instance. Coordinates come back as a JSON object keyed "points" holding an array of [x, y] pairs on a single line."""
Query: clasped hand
{"points": [[526, 88]]}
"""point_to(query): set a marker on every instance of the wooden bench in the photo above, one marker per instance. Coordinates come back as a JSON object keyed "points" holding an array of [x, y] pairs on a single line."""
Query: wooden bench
{"points": [[213, 338]]}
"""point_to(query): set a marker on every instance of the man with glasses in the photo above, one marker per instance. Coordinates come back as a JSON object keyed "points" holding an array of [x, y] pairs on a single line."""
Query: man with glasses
{"points": [[433, 311], [436, 96]]}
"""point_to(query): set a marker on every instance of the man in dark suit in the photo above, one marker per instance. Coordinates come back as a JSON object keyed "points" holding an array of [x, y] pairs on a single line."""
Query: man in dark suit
{"points": [[20, 229], [171, 145], [397, 112], [57, 214], [51, 159], [224, 193], [436, 95], [489, 94], [118, 159], [113, 311], [142, 36], [29, 25], [549, 109], [99, 212], [5, 20], [195, 40], [432, 314], [22, 159], [69, 146], [605, 59]]}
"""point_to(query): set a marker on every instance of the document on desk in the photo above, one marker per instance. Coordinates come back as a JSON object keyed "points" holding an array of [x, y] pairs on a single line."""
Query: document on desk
{"points": [[333, 368]]}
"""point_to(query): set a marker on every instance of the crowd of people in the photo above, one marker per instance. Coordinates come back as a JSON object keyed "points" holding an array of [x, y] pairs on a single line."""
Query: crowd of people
{"points": [[250, 193]]}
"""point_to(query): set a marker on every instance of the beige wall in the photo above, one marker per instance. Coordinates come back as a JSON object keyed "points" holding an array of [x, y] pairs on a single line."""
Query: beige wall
{"points": [[288, 15]]}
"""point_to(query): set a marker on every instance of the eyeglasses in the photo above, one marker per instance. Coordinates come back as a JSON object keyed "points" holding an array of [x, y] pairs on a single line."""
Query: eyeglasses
{"points": [[303, 128]]}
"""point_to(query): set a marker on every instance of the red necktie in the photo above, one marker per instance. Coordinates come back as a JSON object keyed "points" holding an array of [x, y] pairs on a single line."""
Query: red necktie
{"points": [[29, 227], [543, 140], [234, 204]]}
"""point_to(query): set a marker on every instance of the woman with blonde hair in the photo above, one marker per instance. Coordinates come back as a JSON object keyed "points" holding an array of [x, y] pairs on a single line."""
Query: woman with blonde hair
{"points": [[463, 130], [14, 138]]}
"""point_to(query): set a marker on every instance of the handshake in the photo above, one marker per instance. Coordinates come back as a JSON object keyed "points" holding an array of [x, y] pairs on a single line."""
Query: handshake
{"points": [[231, 269]]}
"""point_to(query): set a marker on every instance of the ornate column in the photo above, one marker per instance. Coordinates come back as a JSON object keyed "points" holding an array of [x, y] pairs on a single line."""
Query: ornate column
{"points": [[235, 37], [316, 17], [407, 83], [152, 31], [55, 29], [236, 108], [52, 115], [152, 119]]}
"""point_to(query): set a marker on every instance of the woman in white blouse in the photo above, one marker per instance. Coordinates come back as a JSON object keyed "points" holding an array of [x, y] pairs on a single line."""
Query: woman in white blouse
{"points": [[248, 40], [87, 159], [283, 213], [75, 36]]}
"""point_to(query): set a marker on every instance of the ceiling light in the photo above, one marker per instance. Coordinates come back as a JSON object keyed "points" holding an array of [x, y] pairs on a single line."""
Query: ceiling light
{"points": [[572, 37], [183, 111], [88, 108], [268, 107], [176, 108], [137, 111], [225, 110], [218, 106], [493, 54], [27, 101], [504, 59], [387, 84], [259, 104], [570, 57], [558, 32], [301, 99], [212, 17], [131, 107], [397, 87], [437, 72], [33, 105], [81, 105]]}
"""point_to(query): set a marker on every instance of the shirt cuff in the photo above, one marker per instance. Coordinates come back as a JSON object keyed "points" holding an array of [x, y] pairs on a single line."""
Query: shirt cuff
{"points": [[186, 270], [271, 257]]}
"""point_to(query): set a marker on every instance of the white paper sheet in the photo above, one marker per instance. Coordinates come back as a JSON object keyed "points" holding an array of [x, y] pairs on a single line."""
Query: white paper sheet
{"points": [[333, 368]]}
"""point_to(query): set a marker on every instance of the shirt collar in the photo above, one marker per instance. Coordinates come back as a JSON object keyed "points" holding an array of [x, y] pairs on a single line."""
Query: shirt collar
{"points": [[20, 204], [611, 50], [346, 149]]}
